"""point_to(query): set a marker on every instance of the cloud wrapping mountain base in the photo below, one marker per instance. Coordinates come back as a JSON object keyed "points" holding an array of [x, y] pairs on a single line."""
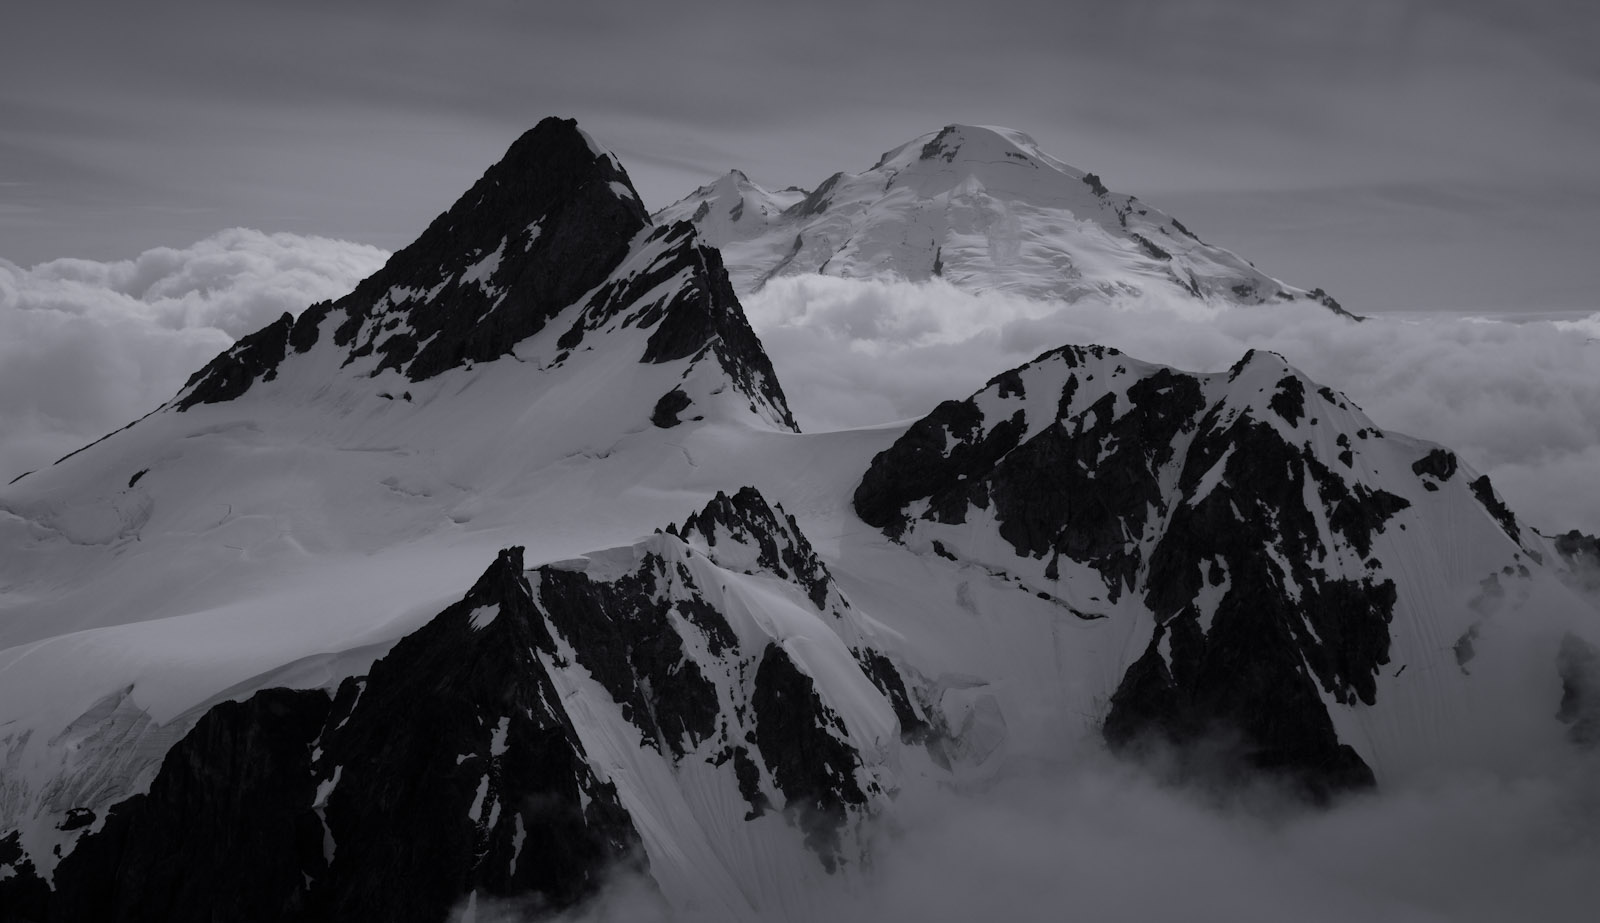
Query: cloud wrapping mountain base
{"points": [[1096, 840], [1520, 401], [87, 346]]}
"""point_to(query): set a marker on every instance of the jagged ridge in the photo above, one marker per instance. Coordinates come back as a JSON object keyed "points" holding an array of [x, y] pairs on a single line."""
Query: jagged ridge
{"points": [[457, 767], [1203, 503]]}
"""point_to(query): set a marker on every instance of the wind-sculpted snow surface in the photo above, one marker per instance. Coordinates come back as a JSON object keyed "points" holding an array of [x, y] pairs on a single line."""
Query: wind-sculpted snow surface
{"points": [[983, 208], [644, 707], [1286, 561]]}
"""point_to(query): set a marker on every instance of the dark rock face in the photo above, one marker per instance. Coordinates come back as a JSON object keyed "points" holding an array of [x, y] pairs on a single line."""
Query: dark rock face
{"points": [[924, 461], [674, 402], [559, 225], [490, 791], [1289, 400], [782, 549], [443, 772], [1484, 491], [813, 768], [24, 896], [1179, 489], [254, 358], [622, 633], [816, 202], [914, 728], [1083, 490], [1246, 673], [227, 830], [1439, 464]]}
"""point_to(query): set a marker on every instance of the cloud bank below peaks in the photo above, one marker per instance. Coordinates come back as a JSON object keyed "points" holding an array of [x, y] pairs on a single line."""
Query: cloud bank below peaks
{"points": [[1092, 839], [1519, 401], [86, 347]]}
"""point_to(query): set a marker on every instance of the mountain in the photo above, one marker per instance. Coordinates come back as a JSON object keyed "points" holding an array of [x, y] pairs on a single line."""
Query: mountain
{"points": [[509, 574], [468, 760], [1315, 590], [553, 232], [540, 369], [982, 208]]}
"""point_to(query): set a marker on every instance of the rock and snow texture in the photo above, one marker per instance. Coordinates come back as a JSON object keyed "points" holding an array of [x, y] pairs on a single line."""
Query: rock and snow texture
{"points": [[983, 208], [449, 768], [703, 705], [551, 235], [513, 377], [1310, 590], [245, 612]]}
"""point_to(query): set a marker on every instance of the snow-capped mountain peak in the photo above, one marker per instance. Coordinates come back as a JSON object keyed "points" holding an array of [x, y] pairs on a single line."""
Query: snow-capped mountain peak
{"points": [[552, 236], [984, 208], [544, 225], [999, 158]]}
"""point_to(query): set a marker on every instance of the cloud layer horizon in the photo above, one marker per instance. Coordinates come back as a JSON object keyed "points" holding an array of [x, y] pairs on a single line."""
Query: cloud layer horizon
{"points": [[86, 347]]}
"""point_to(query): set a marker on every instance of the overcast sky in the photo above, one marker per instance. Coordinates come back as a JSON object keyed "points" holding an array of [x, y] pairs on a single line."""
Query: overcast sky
{"points": [[1403, 155]]}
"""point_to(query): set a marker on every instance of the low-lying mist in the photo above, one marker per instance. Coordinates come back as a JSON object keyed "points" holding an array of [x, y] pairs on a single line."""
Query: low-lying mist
{"points": [[1095, 839]]}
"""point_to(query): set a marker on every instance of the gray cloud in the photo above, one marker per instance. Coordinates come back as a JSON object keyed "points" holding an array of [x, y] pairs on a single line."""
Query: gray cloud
{"points": [[1087, 838]]}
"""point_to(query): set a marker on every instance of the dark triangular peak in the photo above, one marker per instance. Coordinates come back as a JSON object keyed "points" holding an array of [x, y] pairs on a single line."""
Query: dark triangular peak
{"points": [[480, 781], [543, 226]]}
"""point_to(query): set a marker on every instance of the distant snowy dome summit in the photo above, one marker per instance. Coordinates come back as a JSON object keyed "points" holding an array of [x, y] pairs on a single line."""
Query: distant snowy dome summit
{"points": [[983, 208]]}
